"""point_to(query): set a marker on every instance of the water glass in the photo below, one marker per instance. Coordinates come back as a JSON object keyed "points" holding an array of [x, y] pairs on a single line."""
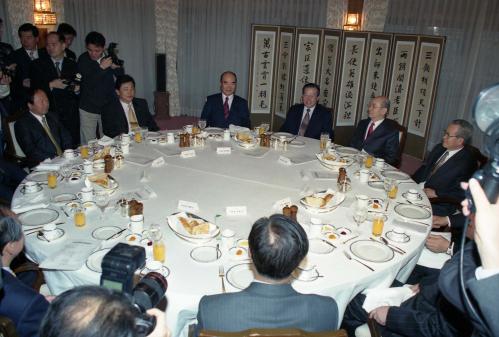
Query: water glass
{"points": [[202, 123]]}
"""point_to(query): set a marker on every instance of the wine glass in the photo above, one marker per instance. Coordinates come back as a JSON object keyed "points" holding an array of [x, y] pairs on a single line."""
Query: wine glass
{"points": [[102, 200], [155, 232], [202, 124], [65, 171], [359, 214]]}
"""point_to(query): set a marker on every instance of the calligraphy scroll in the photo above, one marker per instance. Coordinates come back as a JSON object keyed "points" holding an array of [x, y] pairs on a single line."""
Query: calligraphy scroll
{"points": [[354, 46], [284, 67], [402, 64], [307, 56], [329, 64], [377, 69], [262, 69]]}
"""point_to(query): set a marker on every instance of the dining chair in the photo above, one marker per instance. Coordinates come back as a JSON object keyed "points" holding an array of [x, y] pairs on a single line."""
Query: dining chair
{"points": [[7, 327], [13, 150], [27, 266], [273, 333]]}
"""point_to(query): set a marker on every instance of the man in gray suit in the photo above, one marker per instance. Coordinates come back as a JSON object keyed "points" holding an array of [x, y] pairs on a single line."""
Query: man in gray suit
{"points": [[277, 246]]}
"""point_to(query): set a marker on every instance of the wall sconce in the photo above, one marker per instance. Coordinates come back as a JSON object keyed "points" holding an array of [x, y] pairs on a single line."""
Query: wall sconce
{"points": [[43, 14], [352, 21]]}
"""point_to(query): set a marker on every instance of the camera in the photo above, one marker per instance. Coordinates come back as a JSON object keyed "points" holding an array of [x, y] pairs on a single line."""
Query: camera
{"points": [[118, 269], [6, 71], [72, 82], [112, 52]]}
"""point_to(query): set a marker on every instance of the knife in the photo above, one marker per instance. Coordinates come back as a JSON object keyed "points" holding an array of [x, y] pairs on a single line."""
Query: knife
{"points": [[116, 234]]}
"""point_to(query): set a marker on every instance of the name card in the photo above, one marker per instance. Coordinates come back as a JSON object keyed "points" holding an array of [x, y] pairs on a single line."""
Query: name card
{"points": [[224, 150], [280, 204], [236, 210], [188, 154], [187, 206], [284, 160]]}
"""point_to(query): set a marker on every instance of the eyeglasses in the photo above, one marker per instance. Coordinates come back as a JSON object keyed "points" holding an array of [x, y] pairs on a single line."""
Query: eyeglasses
{"points": [[446, 134], [375, 107]]}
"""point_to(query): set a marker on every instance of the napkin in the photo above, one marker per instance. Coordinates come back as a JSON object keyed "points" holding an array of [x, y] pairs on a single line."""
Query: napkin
{"points": [[235, 128], [50, 164], [376, 298], [105, 141], [415, 227], [300, 158], [158, 162], [28, 207], [71, 256]]}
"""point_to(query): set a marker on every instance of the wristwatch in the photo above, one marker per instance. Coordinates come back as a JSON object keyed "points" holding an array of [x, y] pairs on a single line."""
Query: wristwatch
{"points": [[450, 249]]}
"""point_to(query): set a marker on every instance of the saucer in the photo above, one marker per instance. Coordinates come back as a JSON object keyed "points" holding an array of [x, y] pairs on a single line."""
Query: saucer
{"points": [[394, 237], [206, 254], [419, 198], [38, 189], [60, 234], [164, 270], [238, 253]]}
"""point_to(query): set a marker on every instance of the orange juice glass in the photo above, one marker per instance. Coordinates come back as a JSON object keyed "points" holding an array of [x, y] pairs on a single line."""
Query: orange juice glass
{"points": [[158, 250], [84, 151], [79, 218], [369, 161], [52, 179], [392, 193], [378, 223], [137, 136]]}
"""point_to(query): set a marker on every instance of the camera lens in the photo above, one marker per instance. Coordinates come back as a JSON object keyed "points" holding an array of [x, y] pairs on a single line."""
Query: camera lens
{"points": [[149, 291]]}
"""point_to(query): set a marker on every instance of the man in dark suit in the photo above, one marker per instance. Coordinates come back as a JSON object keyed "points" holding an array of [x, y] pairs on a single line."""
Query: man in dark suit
{"points": [[447, 165], [69, 35], [221, 110], [277, 246], [18, 302], [97, 87], [52, 74], [309, 119], [125, 113], [377, 135], [39, 133], [22, 57]]}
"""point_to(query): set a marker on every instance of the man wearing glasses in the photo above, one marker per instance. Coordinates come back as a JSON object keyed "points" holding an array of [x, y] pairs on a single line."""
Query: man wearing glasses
{"points": [[447, 165]]}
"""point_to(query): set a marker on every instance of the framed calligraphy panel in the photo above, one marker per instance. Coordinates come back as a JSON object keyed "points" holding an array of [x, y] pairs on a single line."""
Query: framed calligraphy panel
{"points": [[377, 69], [329, 65], [307, 57], [400, 82]]}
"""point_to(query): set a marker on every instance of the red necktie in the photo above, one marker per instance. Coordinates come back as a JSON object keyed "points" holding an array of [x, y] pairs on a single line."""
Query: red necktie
{"points": [[226, 108], [370, 131]]}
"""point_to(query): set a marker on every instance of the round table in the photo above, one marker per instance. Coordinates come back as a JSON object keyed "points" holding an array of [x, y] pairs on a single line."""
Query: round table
{"points": [[255, 179]]}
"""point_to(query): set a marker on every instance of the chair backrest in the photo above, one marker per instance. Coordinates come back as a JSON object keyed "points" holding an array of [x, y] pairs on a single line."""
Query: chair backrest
{"points": [[273, 333], [7, 327], [13, 148], [479, 156]]}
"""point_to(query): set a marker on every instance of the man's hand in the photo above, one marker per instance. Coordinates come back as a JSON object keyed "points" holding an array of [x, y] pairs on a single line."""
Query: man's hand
{"points": [[437, 243], [160, 330], [380, 314], [115, 66], [440, 221], [414, 288], [106, 63], [4, 79], [430, 192], [57, 83]]}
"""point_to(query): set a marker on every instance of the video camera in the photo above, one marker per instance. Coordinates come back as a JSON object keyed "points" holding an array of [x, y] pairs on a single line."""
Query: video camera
{"points": [[118, 269], [112, 52]]}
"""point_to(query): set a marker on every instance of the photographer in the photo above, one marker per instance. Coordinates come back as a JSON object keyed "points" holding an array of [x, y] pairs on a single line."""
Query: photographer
{"points": [[95, 311], [97, 88], [56, 75]]}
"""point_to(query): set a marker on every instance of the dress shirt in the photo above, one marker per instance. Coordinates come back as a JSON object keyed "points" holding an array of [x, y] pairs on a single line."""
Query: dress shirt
{"points": [[481, 273], [38, 117], [125, 108], [60, 62], [376, 124], [231, 99], [451, 153], [309, 113], [35, 53]]}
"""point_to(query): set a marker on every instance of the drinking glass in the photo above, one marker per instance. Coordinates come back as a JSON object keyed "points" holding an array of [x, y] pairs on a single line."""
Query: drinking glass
{"points": [[324, 139], [359, 214], [155, 232], [52, 179], [84, 151], [66, 171], [159, 250], [378, 224], [102, 200], [369, 161], [79, 217], [391, 188], [202, 124]]}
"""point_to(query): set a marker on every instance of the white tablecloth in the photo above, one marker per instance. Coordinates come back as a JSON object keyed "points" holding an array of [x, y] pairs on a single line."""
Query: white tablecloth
{"points": [[215, 182]]}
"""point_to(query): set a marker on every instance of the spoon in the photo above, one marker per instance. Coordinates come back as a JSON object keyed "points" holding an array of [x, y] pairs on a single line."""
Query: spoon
{"points": [[40, 235], [385, 241], [348, 256]]}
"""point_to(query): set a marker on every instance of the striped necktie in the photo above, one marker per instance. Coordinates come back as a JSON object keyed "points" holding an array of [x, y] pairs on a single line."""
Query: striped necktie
{"points": [[132, 118], [226, 108], [49, 133], [439, 162], [304, 123]]}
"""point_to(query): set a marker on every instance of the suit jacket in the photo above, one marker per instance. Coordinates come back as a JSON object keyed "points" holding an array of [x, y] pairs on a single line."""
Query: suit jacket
{"points": [[213, 112], [35, 142], [445, 181], [114, 120], [63, 102], [382, 143], [321, 121], [22, 305], [267, 306]]}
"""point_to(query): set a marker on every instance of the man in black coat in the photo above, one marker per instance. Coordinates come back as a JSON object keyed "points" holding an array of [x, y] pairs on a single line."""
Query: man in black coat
{"points": [[126, 112], [39, 133], [309, 119], [69, 34], [52, 74]]}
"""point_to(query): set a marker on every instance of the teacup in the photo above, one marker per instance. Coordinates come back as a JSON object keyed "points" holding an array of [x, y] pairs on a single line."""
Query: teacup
{"points": [[31, 186], [380, 163], [412, 194], [398, 234], [50, 231], [125, 148], [315, 227], [188, 128], [136, 225], [362, 200], [364, 175], [170, 138], [69, 154], [153, 265], [125, 138], [86, 194], [88, 167], [228, 238]]}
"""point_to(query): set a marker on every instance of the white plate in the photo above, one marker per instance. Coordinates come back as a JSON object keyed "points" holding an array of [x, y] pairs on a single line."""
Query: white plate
{"points": [[102, 233], [379, 185], [63, 198], [180, 231], [23, 190], [400, 238], [346, 151], [206, 254], [240, 275], [372, 201], [412, 212], [238, 253], [213, 130], [94, 261], [419, 198], [297, 143], [371, 251], [40, 176], [335, 201], [319, 246], [60, 234], [335, 164], [394, 174], [113, 185], [305, 275], [278, 135], [38, 217], [165, 271]]}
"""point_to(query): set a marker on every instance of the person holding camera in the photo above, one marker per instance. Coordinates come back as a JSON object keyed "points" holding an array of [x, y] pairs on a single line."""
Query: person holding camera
{"points": [[97, 87], [56, 76], [97, 312]]}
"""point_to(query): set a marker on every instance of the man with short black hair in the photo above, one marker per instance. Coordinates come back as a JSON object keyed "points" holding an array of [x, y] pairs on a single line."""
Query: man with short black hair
{"points": [[309, 119], [69, 34], [126, 112], [97, 86], [277, 246]]}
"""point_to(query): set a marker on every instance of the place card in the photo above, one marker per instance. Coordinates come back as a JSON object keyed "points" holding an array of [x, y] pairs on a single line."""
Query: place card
{"points": [[187, 206], [236, 210], [280, 204], [224, 150], [284, 160], [188, 154]]}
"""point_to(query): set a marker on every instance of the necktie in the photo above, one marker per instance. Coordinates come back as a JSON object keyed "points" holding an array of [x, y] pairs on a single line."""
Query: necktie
{"points": [[439, 162], [57, 68], [52, 139], [304, 123], [132, 119], [370, 131], [226, 108]]}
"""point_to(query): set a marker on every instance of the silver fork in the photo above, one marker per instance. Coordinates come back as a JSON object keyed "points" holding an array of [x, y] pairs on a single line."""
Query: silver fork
{"points": [[221, 274], [351, 258]]}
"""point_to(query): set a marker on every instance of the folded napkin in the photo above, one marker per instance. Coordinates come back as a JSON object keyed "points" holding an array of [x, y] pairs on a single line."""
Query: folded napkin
{"points": [[105, 141], [415, 227], [300, 158], [235, 128], [51, 164], [158, 162], [28, 207], [376, 298]]}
